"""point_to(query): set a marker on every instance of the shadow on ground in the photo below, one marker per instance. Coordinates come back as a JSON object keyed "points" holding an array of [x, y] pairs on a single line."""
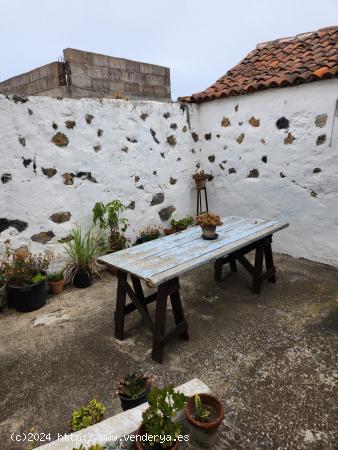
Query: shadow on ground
{"points": [[271, 358]]}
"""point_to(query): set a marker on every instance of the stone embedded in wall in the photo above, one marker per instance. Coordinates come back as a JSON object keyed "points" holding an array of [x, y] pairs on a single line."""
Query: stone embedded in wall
{"points": [[207, 136], [143, 116], [125, 149], [99, 132], [22, 141], [313, 194], [136, 179], [26, 161], [282, 123], [6, 177], [171, 140], [43, 237], [232, 171], [154, 172], [317, 170], [240, 123], [194, 136], [19, 225], [166, 115], [157, 199], [60, 217], [70, 124], [89, 118], [140, 187], [254, 173], [68, 178], [55, 126], [282, 175], [97, 148], [254, 122], [263, 141], [48, 171], [321, 120], [86, 176], [184, 129], [265, 159], [60, 139], [225, 122], [19, 98], [289, 139], [240, 138], [173, 126], [166, 213], [66, 239], [131, 139], [172, 180], [211, 158], [236, 108], [30, 111], [153, 133], [321, 139], [131, 205], [21, 253]]}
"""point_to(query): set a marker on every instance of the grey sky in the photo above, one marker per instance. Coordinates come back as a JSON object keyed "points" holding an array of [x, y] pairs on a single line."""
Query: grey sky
{"points": [[198, 39]]}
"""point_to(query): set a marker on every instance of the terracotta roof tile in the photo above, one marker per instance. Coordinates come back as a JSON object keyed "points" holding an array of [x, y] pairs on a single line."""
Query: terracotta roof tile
{"points": [[283, 62]]}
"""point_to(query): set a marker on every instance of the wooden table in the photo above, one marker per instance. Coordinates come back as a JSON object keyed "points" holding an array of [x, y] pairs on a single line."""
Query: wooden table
{"points": [[160, 263]]}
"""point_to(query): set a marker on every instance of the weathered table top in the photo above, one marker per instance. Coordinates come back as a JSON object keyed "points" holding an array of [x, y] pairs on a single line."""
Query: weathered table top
{"points": [[168, 257]]}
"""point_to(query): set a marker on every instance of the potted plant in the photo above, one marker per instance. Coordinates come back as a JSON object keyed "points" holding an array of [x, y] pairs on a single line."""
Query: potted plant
{"points": [[182, 224], [86, 416], [56, 282], [205, 413], [200, 178], [26, 280], [133, 390], [148, 234], [3, 291], [208, 223], [158, 428], [108, 216], [82, 250]]}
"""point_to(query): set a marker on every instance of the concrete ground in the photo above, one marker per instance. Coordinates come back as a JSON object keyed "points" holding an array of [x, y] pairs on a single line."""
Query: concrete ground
{"points": [[271, 358]]}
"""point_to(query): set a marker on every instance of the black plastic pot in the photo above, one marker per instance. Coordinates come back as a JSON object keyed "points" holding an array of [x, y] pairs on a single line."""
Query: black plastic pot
{"points": [[82, 279], [128, 403], [27, 298]]}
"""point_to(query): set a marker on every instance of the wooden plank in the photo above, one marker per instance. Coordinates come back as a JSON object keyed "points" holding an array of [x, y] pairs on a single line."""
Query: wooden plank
{"points": [[167, 259]]}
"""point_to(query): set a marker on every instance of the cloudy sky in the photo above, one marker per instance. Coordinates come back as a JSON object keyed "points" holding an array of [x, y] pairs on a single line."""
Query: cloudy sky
{"points": [[198, 39]]}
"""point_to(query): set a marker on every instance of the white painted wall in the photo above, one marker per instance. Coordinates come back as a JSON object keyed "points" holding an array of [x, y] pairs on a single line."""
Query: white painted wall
{"points": [[313, 231], [33, 197]]}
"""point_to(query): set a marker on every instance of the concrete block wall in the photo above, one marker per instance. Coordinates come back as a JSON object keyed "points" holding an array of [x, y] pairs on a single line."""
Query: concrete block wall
{"points": [[38, 81], [95, 75]]}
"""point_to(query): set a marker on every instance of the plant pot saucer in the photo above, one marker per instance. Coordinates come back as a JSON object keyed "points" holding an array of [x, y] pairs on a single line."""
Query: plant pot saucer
{"points": [[210, 238]]}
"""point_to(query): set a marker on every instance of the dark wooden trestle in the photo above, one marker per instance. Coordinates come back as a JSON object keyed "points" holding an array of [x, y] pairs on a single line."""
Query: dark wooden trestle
{"points": [[263, 250], [139, 302]]}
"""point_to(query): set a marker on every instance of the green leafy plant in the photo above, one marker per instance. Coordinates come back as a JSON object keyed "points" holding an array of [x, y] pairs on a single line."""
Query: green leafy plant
{"points": [[133, 385], [201, 413], [24, 271], [148, 234], [164, 404], [55, 276], [182, 224], [87, 415], [39, 278], [82, 251], [108, 216]]}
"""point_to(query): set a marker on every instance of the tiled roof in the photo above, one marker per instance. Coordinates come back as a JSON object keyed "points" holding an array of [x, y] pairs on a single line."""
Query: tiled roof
{"points": [[284, 62]]}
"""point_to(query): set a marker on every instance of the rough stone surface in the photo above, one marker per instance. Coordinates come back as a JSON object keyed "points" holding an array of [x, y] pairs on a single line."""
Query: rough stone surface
{"points": [[321, 120], [60, 139], [254, 122], [171, 140], [282, 123], [89, 118], [157, 199], [19, 225], [226, 122], [271, 358], [61, 217], [68, 178], [240, 138], [194, 136], [166, 213], [70, 124], [172, 180], [254, 173], [321, 139], [49, 171], [6, 177], [289, 139], [43, 237]]}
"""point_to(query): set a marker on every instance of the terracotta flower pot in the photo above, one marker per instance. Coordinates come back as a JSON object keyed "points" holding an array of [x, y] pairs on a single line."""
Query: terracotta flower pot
{"points": [[139, 444], [56, 287], [168, 231], [205, 433]]}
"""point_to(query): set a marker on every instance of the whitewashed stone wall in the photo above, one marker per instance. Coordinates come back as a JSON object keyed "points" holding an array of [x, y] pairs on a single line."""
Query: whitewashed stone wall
{"points": [[290, 173], [258, 169], [115, 155]]}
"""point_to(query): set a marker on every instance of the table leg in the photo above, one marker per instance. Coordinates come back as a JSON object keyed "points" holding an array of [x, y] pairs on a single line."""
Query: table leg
{"points": [[269, 261], [120, 304], [177, 307], [160, 321], [257, 276]]}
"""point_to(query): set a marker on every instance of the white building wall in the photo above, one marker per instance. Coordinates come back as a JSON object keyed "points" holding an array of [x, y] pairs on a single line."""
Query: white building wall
{"points": [[135, 170], [287, 186]]}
